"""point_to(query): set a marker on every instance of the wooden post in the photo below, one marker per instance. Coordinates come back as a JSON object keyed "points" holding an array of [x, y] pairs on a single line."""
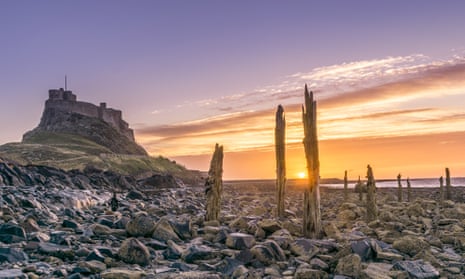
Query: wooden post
{"points": [[346, 190], [409, 190], [214, 185], [312, 213], [399, 188], [280, 135], [448, 185], [372, 208], [360, 189], [441, 190]]}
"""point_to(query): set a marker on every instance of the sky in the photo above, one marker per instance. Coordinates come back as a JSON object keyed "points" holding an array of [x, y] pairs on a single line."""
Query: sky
{"points": [[388, 76]]}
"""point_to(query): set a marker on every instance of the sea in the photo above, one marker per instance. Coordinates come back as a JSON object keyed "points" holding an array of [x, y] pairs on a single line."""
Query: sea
{"points": [[417, 182]]}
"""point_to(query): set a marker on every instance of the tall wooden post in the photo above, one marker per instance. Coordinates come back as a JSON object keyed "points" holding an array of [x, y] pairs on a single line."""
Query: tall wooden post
{"points": [[448, 185], [441, 190], [372, 208], [399, 188], [409, 190], [346, 190], [312, 214], [214, 185], [280, 135], [360, 189]]}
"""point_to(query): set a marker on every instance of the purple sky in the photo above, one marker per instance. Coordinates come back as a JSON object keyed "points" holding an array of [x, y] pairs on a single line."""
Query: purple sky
{"points": [[149, 58]]}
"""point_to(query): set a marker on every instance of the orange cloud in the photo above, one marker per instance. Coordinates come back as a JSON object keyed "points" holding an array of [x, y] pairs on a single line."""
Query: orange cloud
{"points": [[420, 99]]}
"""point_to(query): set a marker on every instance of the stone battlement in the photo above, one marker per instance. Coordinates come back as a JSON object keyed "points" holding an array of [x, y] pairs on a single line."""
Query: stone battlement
{"points": [[65, 100]]}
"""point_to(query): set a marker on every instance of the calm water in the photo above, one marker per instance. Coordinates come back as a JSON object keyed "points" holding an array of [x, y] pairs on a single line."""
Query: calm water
{"points": [[427, 182]]}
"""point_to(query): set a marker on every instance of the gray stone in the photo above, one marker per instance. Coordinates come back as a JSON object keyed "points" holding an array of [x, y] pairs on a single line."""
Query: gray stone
{"points": [[12, 274], [269, 252], [417, 269], [240, 241], [304, 247], [350, 265], [376, 271], [164, 232], [198, 253], [308, 273], [132, 251], [59, 251], [140, 225], [12, 255], [410, 245], [363, 249]]}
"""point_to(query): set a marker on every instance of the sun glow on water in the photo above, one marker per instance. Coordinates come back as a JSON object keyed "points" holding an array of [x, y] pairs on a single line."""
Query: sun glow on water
{"points": [[301, 175]]}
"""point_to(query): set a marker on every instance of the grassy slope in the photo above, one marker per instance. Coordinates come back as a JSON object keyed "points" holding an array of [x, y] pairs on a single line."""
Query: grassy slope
{"points": [[68, 152]]}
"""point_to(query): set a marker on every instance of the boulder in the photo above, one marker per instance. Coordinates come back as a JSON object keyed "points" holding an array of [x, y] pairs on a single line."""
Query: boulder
{"points": [[240, 241], [410, 245], [163, 231], [133, 251], [140, 225], [268, 253], [198, 253], [12, 255], [304, 247], [350, 265]]}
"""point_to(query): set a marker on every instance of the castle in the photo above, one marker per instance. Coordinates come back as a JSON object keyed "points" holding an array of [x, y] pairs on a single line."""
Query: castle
{"points": [[65, 100]]}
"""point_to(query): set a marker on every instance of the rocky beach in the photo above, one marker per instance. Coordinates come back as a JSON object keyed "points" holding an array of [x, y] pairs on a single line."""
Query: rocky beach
{"points": [[57, 224]]}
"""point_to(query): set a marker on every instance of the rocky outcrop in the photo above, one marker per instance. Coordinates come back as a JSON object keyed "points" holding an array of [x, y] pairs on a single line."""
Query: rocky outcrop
{"points": [[59, 121]]}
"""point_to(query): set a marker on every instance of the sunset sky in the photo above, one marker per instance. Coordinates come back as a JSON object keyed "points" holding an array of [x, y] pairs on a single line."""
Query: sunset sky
{"points": [[388, 76]]}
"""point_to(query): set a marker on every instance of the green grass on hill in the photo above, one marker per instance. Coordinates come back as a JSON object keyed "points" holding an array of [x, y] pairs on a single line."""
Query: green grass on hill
{"points": [[68, 152]]}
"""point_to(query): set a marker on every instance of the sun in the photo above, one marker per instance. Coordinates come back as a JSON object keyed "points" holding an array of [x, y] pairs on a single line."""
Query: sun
{"points": [[301, 174]]}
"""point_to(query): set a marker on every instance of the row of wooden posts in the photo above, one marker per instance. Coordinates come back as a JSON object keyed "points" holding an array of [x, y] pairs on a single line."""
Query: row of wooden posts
{"points": [[312, 213], [312, 226]]}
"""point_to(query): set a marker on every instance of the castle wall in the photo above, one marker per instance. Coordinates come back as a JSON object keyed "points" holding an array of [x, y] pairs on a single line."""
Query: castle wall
{"points": [[66, 101]]}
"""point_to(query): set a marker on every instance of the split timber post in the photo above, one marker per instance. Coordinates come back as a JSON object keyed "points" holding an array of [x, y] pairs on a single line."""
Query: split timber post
{"points": [[399, 188], [214, 185], [346, 190], [311, 214], [441, 190], [372, 208], [409, 190], [280, 135], [448, 185]]}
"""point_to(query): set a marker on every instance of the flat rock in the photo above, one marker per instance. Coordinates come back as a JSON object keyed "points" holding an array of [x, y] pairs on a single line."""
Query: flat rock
{"points": [[12, 274], [417, 269], [376, 271]]}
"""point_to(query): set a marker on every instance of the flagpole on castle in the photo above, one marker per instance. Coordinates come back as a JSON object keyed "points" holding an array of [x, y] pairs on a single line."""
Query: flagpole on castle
{"points": [[66, 83]]}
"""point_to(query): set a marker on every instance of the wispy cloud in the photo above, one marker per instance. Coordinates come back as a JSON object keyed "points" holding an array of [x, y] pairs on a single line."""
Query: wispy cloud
{"points": [[393, 96]]}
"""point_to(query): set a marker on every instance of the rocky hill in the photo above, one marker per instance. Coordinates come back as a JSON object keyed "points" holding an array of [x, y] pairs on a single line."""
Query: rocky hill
{"points": [[63, 114], [74, 135]]}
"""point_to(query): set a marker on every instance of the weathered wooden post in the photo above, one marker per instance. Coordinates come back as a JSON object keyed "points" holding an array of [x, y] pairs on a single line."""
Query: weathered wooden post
{"points": [[448, 185], [214, 185], [312, 214], [399, 188], [280, 134], [409, 190], [346, 190], [441, 189], [359, 189], [372, 208]]}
